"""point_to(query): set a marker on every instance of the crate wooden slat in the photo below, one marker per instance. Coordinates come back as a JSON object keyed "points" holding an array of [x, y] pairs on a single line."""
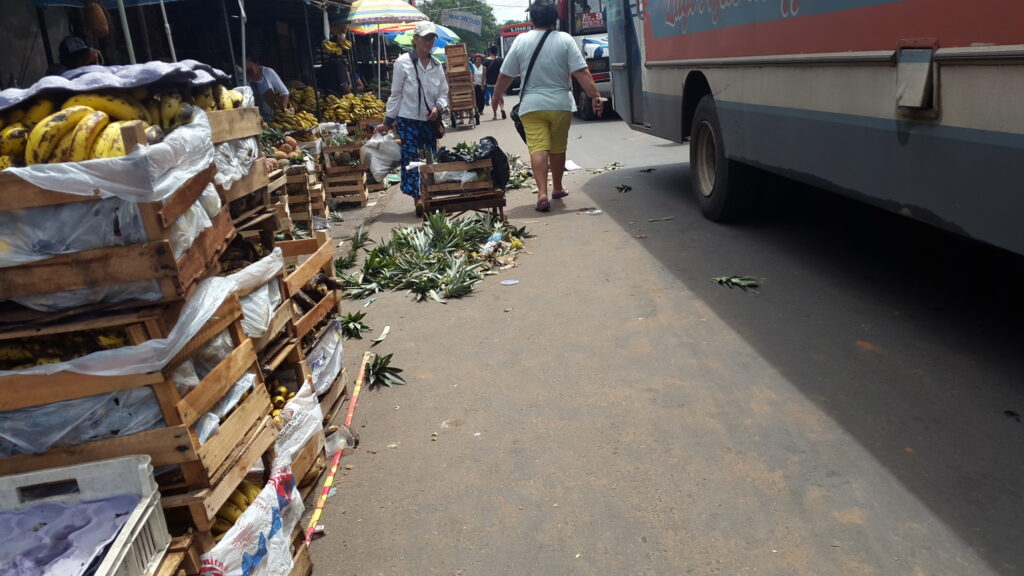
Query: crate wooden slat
{"points": [[455, 197], [234, 124], [302, 562], [334, 398], [309, 457], [255, 179], [332, 159]]}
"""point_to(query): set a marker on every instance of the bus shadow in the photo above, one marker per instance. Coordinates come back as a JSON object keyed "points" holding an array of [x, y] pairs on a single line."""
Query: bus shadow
{"points": [[906, 336]]}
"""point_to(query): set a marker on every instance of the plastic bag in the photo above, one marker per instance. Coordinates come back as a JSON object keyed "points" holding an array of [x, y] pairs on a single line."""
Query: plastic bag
{"points": [[188, 227], [381, 153], [460, 176], [143, 290], [500, 170], [259, 544], [445, 154], [210, 200], [326, 357], [302, 419], [206, 426], [185, 377], [214, 352], [234, 158]]}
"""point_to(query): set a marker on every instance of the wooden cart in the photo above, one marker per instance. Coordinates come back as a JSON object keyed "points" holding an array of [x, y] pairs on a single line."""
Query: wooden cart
{"points": [[461, 93]]}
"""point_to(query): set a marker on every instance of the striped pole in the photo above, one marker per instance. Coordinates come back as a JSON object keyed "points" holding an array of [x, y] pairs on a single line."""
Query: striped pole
{"points": [[329, 482]]}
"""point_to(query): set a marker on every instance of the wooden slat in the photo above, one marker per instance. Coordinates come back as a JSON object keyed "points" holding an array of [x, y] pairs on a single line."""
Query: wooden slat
{"points": [[177, 552], [186, 196], [78, 324], [459, 187], [278, 321], [229, 312], [307, 457], [200, 400], [254, 180], [16, 193], [296, 248], [234, 124], [309, 268], [235, 428], [89, 269], [310, 319], [166, 446], [449, 166], [23, 391], [206, 248], [302, 562]]}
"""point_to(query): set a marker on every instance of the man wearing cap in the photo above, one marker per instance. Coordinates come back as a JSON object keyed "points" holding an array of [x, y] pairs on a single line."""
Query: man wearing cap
{"points": [[419, 92], [73, 53]]}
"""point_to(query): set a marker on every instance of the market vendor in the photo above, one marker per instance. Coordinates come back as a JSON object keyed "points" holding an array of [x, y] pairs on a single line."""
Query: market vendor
{"points": [[267, 87], [336, 78], [73, 53]]}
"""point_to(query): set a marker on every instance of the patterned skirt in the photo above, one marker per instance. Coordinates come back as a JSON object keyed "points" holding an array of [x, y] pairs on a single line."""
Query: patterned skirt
{"points": [[415, 135]]}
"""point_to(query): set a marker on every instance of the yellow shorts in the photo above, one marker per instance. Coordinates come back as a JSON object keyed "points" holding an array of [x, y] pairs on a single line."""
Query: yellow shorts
{"points": [[547, 130]]}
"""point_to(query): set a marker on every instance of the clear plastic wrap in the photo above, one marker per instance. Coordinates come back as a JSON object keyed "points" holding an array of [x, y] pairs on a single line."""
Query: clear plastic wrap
{"points": [[210, 200], [40, 428], [188, 227], [143, 290], [257, 310], [234, 158], [206, 426], [185, 377], [216, 350], [326, 358], [233, 396]]}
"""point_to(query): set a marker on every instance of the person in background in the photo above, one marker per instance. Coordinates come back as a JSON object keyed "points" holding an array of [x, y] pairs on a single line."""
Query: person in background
{"points": [[350, 81], [73, 53], [493, 70], [267, 88], [478, 82], [546, 101], [419, 91]]}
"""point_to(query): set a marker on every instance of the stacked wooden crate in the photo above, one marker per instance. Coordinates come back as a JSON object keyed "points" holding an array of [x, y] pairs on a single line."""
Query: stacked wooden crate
{"points": [[345, 181], [461, 94], [458, 197], [299, 186]]}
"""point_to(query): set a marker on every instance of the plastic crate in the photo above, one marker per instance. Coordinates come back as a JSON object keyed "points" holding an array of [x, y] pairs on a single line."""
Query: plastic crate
{"points": [[140, 545]]}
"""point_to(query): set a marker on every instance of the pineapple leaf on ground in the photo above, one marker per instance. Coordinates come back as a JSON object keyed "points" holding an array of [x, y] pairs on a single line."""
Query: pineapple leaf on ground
{"points": [[380, 372], [352, 326]]}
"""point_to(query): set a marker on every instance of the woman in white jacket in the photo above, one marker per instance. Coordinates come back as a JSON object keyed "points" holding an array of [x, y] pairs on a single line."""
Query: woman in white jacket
{"points": [[419, 92]]}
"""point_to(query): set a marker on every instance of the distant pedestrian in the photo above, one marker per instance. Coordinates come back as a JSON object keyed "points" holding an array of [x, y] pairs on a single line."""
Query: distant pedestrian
{"points": [[478, 82], [419, 91], [546, 102], [494, 63]]}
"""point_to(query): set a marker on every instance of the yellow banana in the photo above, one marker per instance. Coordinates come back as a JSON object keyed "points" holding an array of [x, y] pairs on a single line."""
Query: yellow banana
{"points": [[251, 490], [13, 139], [48, 132], [229, 512], [170, 104], [153, 108], [185, 115], [85, 134], [6, 162], [118, 107], [62, 152], [222, 97], [220, 526], [236, 98], [140, 93], [154, 134], [109, 144], [16, 115], [39, 110], [238, 499]]}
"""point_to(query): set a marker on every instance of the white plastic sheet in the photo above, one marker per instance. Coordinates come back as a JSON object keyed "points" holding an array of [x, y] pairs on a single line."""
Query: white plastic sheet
{"points": [[381, 153], [302, 419], [234, 158], [258, 307], [326, 358]]}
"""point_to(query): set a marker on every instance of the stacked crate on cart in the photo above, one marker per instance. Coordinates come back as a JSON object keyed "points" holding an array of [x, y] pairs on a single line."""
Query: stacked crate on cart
{"points": [[298, 186], [345, 175], [458, 197], [461, 94], [249, 199]]}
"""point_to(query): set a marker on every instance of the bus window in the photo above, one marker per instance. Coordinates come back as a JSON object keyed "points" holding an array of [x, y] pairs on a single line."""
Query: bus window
{"points": [[588, 17]]}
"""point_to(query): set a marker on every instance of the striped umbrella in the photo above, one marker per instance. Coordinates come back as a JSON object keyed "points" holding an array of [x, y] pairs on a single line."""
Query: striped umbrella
{"points": [[381, 13]]}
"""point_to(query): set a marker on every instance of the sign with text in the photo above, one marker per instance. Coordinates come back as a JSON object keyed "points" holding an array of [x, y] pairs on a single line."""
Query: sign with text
{"points": [[464, 20], [593, 20]]}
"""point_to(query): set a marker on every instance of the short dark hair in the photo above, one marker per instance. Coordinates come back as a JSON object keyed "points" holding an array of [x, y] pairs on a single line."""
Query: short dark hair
{"points": [[543, 14], [492, 49]]}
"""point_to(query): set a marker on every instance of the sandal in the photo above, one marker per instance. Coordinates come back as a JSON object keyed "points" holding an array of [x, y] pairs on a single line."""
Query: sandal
{"points": [[560, 194], [544, 206], [503, 115]]}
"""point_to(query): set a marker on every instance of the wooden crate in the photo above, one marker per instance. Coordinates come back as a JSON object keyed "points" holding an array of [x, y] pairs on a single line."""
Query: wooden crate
{"points": [[343, 188], [332, 401], [234, 124], [307, 258], [114, 265], [182, 557], [455, 197], [138, 325], [302, 562], [311, 457], [332, 159], [176, 444]]}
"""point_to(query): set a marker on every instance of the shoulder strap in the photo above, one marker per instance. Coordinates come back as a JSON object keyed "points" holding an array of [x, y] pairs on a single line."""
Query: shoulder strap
{"points": [[419, 85], [522, 87]]}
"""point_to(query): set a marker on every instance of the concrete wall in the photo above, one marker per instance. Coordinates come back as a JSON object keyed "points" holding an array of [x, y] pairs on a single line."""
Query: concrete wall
{"points": [[23, 55]]}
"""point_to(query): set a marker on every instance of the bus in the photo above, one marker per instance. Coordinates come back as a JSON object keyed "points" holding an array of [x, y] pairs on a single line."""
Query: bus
{"points": [[585, 20], [506, 34], [910, 105]]}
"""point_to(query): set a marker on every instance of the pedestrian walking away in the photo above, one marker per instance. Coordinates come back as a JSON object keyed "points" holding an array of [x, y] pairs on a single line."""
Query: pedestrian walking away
{"points": [[478, 82], [419, 91], [546, 58], [494, 64]]}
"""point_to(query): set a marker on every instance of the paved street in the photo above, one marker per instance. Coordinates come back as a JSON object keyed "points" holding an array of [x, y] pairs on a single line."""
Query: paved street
{"points": [[617, 413]]}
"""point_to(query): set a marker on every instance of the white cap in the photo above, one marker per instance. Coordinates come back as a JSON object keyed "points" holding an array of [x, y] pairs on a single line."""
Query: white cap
{"points": [[424, 28]]}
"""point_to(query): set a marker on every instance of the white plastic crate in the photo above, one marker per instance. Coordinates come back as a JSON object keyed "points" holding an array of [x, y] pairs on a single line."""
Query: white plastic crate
{"points": [[140, 545]]}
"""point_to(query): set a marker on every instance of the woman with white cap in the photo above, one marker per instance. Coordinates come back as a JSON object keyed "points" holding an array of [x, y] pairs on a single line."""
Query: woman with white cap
{"points": [[419, 92]]}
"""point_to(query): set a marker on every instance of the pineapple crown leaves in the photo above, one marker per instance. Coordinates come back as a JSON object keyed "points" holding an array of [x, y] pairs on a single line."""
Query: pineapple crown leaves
{"points": [[352, 326], [380, 372]]}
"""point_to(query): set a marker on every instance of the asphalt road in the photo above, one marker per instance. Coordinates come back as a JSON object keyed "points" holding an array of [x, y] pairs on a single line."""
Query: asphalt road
{"points": [[617, 413]]}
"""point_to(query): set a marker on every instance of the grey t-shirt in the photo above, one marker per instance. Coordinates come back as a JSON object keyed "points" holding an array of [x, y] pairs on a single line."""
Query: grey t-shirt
{"points": [[549, 86]]}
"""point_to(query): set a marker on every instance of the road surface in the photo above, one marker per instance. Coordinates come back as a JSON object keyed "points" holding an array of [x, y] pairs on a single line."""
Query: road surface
{"points": [[617, 413]]}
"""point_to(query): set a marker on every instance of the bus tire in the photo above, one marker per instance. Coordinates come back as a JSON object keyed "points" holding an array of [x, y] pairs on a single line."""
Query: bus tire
{"points": [[585, 106], [719, 184]]}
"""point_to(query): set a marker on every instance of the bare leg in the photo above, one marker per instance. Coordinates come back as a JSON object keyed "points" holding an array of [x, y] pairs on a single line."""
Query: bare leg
{"points": [[557, 162], [539, 163]]}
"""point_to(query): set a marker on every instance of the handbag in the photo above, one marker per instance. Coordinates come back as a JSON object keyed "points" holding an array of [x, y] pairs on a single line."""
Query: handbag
{"points": [[522, 89], [436, 126]]}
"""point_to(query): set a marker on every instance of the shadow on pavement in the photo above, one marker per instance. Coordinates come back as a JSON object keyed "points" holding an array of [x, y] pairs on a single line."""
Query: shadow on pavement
{"points": [[907, 337]]}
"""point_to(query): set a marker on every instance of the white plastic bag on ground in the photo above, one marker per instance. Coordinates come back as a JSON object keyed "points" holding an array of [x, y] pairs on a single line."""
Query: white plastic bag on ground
{"points": [[381, 153], [259, 544]]}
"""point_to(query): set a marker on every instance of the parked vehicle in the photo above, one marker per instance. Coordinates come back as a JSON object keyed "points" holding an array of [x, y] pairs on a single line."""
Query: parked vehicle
{"points": [[911, 105], [586, 21]]}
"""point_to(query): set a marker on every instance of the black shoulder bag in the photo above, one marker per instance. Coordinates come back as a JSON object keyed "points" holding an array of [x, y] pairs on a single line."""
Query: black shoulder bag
{"points": [[437, 126], [522, 89]]}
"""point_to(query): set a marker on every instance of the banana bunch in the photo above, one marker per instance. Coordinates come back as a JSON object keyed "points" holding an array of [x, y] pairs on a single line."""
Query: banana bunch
{"points": [[286, 121], [237, 503], [216, 97], [351, 108], [331, 47], [281, 396], [303, 99]]}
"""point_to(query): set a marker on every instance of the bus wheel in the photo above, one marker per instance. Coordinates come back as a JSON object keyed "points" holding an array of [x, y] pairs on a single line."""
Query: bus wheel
{"points": [[718, 183], [585, 106]]}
